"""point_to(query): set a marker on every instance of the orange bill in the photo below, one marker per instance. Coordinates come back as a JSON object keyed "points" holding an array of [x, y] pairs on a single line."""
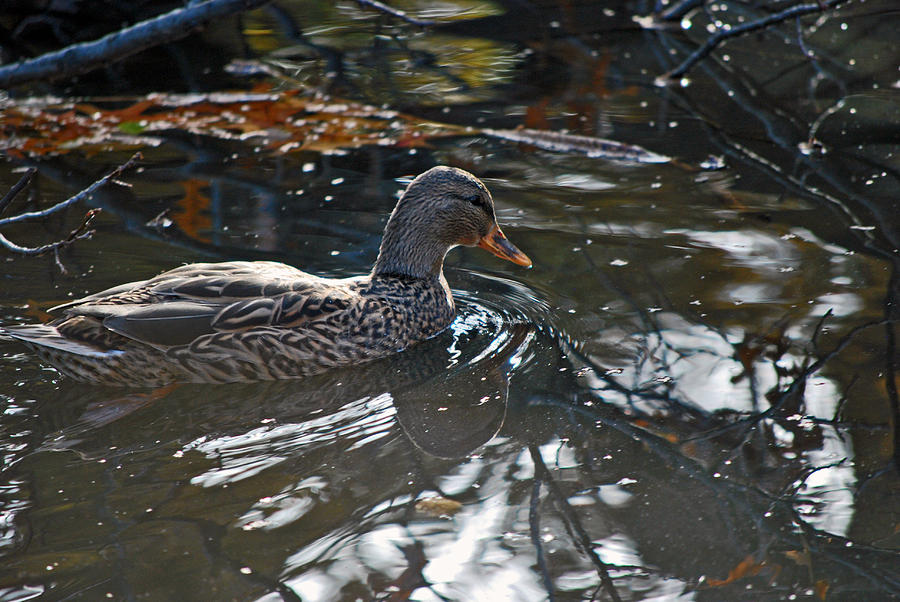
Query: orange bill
{"points": [[495, 242]]}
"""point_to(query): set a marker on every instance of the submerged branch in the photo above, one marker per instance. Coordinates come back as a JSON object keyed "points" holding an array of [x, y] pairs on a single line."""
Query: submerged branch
{"points": [[534, 523], [581, 539]]}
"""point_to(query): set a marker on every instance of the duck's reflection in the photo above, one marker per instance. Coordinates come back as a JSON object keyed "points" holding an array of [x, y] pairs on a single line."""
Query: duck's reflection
{"points": [[448, 396], [464, 407]]}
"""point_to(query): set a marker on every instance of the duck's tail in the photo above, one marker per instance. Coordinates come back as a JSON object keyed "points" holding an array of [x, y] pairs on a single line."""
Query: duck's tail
{"points": [[45, 336]]}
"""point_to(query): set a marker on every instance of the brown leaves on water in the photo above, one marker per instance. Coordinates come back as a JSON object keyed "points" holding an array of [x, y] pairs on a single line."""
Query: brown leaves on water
{"points": [[279, 122], [749, 567]]}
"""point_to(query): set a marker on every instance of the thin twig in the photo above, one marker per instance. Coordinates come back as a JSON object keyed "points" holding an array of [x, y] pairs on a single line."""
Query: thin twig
{"points": [[21, 217], [394, 12], [743, 29], [79, 233], [792, 389], [818, 329], [19, 186], [570, 517], [534, 523], [679, 10]]}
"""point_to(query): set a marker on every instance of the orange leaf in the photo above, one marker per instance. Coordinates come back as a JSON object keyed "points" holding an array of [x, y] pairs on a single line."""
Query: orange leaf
{"points": [[747, 567], [800, 557], [192, 216]]}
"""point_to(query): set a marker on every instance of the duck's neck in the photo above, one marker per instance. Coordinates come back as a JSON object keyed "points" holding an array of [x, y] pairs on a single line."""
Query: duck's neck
{"points": [[409, 251]]}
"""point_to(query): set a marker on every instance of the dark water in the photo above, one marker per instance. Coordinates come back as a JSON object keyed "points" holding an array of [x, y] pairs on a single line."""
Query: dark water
{"points": [[692, 395]]}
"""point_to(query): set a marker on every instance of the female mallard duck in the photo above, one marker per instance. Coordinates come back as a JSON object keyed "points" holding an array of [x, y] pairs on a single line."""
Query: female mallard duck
{"points": [[262, 320]]}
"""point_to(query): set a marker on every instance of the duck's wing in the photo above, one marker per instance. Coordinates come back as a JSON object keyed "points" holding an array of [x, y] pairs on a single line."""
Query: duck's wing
{"points": [[238, 275], [179, 306]]}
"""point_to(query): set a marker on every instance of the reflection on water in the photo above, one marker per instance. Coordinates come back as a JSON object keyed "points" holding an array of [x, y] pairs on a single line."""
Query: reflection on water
{"points": [[689, 396]]}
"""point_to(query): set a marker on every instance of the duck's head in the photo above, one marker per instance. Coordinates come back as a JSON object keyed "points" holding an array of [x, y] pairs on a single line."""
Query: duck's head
{"points": [[442, 208]]}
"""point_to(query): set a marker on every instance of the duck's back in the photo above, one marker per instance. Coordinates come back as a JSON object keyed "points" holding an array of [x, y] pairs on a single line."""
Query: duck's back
{"points": [[236, 321]]}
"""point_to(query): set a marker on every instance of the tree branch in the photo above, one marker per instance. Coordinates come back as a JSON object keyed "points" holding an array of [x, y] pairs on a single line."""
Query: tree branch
{"points": [[79, 233], [534, 522], [720, 36], [21, 217], [581, 539], [84, 57], [19, 186]]}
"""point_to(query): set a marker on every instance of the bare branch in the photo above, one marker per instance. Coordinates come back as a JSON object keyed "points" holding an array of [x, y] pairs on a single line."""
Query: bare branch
{"points": [[84, 57], [21, 217], [19, 186], [720, 36], [679, 10], [581, 539], [534, 522], [82, 232], [79, 233]]}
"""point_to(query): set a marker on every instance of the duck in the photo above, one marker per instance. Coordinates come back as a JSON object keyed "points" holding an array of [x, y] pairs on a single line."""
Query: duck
{"points": [[242, 321]]}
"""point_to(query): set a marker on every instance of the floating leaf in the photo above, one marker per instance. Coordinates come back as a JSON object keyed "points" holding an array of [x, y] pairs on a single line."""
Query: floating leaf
{"points": [[282, 122], [131, 127], [748, 567], [438, 506], [801, 557]]}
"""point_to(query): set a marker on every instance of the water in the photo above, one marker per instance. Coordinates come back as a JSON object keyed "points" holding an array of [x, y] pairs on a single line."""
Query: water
{"points": [[688, 397]]}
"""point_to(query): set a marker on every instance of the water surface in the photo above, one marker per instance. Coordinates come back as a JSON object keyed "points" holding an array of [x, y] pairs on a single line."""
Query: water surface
{"points": [[691, 396]]}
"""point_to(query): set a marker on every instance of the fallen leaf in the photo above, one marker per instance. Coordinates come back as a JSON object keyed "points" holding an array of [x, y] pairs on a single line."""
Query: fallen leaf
{"points": [[438, 506], [800, 557], [748, 567]]}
